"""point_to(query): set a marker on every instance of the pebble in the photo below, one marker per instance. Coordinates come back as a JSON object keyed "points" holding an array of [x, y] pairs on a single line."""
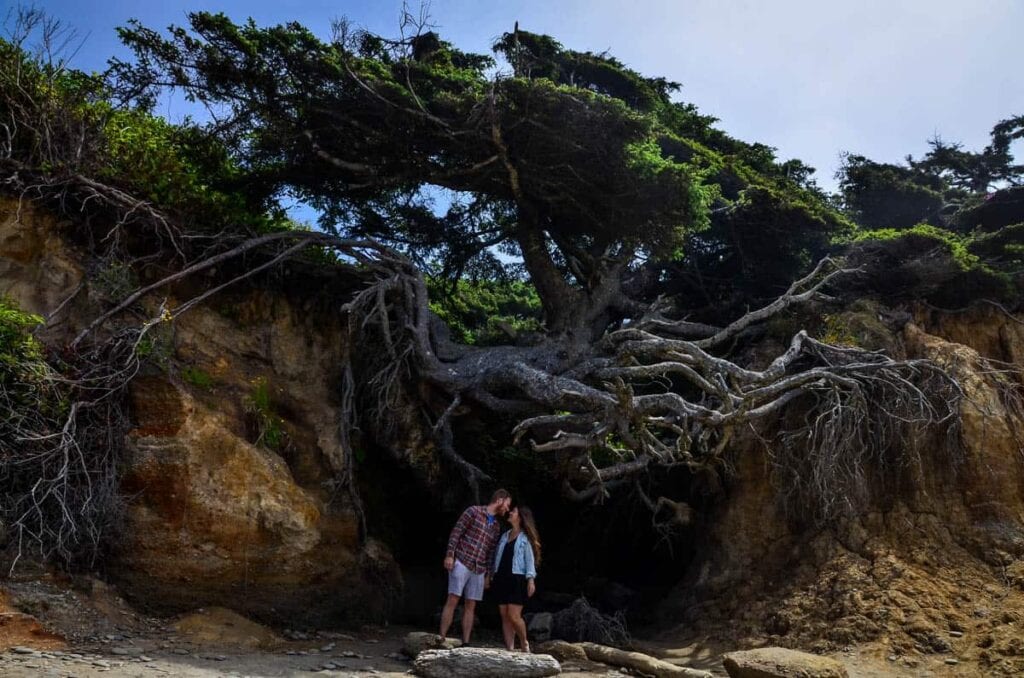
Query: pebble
{"points": [[22, 650], [179, 650], [956, 634], [144, 658], [328, 647], [952, 662]]}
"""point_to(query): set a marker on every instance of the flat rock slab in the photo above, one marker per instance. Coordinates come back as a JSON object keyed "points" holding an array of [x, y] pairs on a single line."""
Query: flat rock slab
{"points": [[779, 662], [478, 662], [418, 641]]}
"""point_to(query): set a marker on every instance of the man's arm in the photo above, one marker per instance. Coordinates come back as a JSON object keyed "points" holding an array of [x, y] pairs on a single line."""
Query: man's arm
{"points": [[492, 547], [460, 529]]}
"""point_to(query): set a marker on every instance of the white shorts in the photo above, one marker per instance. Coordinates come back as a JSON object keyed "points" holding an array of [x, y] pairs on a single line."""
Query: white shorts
{"points": [[463, 582]]}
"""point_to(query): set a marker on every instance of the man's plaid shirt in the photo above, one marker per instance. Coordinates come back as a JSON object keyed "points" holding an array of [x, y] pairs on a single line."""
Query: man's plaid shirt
{"points": [[473, 540]]}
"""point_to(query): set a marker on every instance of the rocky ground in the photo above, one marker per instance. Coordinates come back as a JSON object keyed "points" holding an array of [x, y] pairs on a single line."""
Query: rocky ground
{"points": [[60, 627]]}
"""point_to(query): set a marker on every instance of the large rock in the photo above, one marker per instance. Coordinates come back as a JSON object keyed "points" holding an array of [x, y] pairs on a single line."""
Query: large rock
{"points": [[539, 628], [478, 662], [218, 520], [779, 662], [418, 641], [38, 270], [220, 627], [213, 518]]}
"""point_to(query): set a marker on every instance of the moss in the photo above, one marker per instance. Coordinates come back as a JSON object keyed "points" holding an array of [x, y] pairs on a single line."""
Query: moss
{"points": [[198, 377]]}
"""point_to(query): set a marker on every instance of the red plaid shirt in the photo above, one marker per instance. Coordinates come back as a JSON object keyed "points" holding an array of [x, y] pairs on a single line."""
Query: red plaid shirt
{"points": [[473, 540]]}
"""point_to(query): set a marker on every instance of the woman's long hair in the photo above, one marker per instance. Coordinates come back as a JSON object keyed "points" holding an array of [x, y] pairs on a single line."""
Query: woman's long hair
{"points": [[529, 528]]}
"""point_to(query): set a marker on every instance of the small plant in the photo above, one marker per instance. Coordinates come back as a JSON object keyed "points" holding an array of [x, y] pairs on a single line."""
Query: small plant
{"points": [[269, 431], [198, 377], [115, 280], [837, 332]]}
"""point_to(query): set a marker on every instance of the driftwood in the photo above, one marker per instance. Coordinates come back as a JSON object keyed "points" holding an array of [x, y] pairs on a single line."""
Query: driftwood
{"points": [[636, 661]]}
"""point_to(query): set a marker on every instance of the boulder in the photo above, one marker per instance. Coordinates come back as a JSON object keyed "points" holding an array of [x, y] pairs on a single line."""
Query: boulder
{"points": [[478, 662], [539, 628], [779, 662], [418, 641], [218, 627]]}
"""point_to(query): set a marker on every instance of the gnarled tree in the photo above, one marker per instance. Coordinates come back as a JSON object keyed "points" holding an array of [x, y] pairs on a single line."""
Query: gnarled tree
{"points": [[572, 171]]}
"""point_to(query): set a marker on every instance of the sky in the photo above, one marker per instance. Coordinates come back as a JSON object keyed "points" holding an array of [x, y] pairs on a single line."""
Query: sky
{"points": [[813, 78]]}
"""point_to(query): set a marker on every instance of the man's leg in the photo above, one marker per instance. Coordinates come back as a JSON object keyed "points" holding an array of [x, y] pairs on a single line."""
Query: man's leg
{"points": [[468, 612], [448, 613]]}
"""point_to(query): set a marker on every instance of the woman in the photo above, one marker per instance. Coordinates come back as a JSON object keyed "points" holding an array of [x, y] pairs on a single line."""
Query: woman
{"points": [[516, 559]]}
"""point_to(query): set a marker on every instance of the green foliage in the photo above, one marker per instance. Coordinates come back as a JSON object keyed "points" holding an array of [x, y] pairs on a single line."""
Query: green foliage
{"points": [[198, 377], [115, 280], [20, 354], [64, 121], [927, 237], [880, 195], [836, 331], [975, 172], [269, 429], [30, 397], [926, 262], [487, 312], [366, 129]]}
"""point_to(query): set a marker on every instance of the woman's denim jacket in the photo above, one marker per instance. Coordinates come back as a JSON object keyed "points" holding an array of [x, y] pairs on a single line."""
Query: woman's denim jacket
{"points": [[522, 557]]}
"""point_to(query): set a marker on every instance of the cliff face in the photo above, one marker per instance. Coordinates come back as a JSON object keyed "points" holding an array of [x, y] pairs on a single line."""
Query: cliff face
{"points": [[935, 566], [229, 471], [233, 451]]}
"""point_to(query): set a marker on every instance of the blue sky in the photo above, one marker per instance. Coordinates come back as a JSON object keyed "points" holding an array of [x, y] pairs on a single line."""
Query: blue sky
{"points": [[810, 77]]}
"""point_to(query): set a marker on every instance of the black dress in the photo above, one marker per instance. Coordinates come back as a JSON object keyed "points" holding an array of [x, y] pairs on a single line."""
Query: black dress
{"points": [[508, 588]]}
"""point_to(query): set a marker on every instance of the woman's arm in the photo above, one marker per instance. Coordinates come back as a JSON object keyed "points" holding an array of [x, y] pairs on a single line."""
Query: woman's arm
{"points": [[531, 568]]}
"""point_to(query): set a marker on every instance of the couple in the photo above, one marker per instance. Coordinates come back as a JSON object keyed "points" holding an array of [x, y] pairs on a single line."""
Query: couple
{"points": [[481, 556]]}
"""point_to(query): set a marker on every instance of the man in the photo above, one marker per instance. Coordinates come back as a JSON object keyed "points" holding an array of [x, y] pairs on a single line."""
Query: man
{"points": [[470, 559]]}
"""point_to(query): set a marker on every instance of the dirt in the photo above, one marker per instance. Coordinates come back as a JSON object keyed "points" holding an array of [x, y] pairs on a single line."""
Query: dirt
{"points": [[85, 629]]}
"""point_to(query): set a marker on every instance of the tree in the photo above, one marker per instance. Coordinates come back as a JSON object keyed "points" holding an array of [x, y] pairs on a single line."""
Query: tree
{"points": [[976, 172], [882, 195], [581, 168]]}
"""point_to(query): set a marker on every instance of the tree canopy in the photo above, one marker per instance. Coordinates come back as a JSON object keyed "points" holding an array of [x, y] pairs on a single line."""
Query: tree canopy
{"points": [[568, 161]]}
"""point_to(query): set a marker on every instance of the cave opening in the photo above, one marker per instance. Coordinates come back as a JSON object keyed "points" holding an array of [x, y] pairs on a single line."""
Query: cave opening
{"points": [[609, 553]]}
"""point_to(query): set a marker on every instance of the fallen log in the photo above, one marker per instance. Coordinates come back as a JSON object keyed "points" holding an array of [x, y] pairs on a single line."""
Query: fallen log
{"points": [[637, 661]]}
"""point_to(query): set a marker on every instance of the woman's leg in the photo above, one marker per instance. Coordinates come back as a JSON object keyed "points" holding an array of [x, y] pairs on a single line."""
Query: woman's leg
{"points": [[515, 617], [507, 631]]}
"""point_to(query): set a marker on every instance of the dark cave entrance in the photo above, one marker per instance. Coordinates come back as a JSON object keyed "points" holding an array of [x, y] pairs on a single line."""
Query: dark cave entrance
{"points": [[609, 553]]}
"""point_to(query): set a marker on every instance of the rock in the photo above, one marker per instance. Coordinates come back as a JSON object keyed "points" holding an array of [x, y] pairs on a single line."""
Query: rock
{"points": [[562, 651], [540, 626], [220, 627], [418, 641], [477, 662], [779, 662]]}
